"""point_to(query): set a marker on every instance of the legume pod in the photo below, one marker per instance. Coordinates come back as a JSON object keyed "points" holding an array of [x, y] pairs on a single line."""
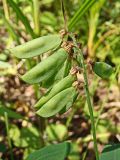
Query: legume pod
{"points": [[63, 72], [60, 86], [103, 70], [37, 46], [57, 103], [47, 68]]}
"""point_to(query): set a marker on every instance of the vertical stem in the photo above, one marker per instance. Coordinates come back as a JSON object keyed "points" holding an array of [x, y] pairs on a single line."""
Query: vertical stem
{"points": [[90, 107], [7, 130], [6, 10], [36, 15], [64, 15]]}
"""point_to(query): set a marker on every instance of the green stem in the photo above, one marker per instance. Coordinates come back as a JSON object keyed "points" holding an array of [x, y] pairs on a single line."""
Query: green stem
{"points": [[6, 10], [90, 107], [36, 14], [7, 130]]}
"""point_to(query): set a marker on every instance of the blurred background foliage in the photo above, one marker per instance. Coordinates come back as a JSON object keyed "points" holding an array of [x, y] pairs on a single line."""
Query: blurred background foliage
{"points": [[99, 32]]}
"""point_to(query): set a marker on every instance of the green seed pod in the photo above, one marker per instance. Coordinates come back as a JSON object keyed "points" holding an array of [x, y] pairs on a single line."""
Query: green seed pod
{"points": [[67, 68], [103, 70], [37, 46], [60, 86], [47, 68], [66, 108], [57, 103]]}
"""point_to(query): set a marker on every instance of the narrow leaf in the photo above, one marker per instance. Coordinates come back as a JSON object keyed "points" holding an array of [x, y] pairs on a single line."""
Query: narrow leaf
{"points": [[10, 113], [22, 17], [82, 10]]}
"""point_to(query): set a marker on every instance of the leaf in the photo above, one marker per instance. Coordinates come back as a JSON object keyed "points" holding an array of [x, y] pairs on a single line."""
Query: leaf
{"points": [[56, 132], [22, 17], [6, 68], [103, 70], [82, 10], [48, 18], [4, 65], [53, 152], [3, 57], [26, 137], [2, 148], [57, 103], [75, 152], [111, 152], [47, 68], [10, 28], [37, 46], [10, 113]]}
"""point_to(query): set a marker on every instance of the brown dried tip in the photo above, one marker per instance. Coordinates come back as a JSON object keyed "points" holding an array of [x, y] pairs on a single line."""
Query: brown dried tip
{"points": [[79, 45], [75, 35], [67, 45], [78, 86], [63, 32], [80, 78], [85, 52], [75, 84], [91, 62], [74, 70]]}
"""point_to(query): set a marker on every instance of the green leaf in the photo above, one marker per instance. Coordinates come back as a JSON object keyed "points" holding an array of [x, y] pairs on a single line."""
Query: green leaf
{"points": [[48, 18], [75, 152], [111, 152], [47, 68], [56, 132], [6, 68], [2, 148], [10, 28], [3, 57], [82, 10], [10, 113], [37, 46], [22, 17], [103, 70], [57, 103], [53, 152], [25, 137], [4, 65]]}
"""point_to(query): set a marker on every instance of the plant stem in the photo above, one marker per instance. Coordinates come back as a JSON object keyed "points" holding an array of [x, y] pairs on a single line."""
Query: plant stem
{"points": [[6, 10], [7, 130], [36, 14], [90, 107]]}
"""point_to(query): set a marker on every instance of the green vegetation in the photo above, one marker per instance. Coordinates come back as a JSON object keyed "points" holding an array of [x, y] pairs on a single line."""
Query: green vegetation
{"points": [[59, 80]]}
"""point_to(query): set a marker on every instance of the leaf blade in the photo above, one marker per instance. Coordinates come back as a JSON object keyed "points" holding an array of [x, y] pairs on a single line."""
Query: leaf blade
{"points": [[59, 151], [79, 13]]}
